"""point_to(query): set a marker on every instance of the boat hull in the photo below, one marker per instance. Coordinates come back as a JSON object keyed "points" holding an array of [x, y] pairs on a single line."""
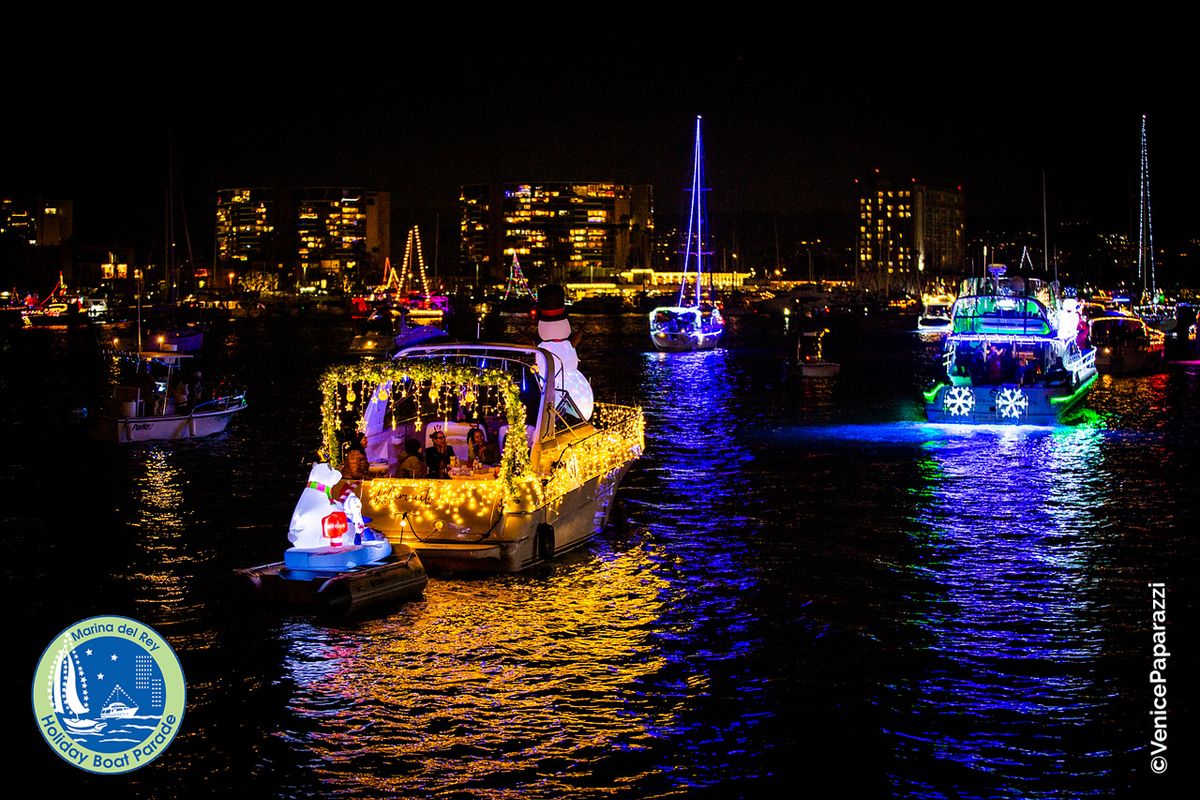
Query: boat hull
{"points": [[1128, 361], [685, 342], [1004, 404], [822, 370], [177, 426], [400, 576], [520, 540]]}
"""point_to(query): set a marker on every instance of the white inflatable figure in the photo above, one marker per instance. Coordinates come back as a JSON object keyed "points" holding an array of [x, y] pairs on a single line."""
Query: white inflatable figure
{"points": [[315, 504], [554, 331], [358, 531]]}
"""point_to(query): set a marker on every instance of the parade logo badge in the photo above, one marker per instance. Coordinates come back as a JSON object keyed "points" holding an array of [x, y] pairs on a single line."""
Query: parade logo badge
{"points": [[109, 694]]}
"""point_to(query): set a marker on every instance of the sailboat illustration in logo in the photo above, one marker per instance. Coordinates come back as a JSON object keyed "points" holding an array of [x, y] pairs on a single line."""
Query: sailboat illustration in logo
{"points": [[68, 694]]}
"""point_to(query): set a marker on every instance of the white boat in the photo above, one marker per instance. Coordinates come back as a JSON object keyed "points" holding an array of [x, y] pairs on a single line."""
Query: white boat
{"points": [[1016, 354], [810, 356], [935, 313], [137, 415], [692, 323], [553, 487], [118, 709]]}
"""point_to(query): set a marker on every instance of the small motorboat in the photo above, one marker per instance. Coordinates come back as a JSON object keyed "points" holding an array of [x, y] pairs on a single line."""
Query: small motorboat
{"points": [[145, 411], [810, 356]]}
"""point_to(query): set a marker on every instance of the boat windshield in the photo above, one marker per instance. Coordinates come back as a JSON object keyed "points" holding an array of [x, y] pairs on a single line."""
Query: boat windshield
{"points": [[1000, 314], [1108, 331]]}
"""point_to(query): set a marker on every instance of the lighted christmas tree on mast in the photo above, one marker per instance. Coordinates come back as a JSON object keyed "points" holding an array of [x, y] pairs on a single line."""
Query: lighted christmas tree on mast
{"points": [[516, 281]]}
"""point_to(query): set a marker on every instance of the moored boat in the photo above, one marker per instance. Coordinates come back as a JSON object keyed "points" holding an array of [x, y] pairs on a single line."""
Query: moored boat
{"points": [[1016, 354]]}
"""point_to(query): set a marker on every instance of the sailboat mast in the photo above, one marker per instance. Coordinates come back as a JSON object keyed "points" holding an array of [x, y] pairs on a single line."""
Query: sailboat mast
{"points": [[698, 199], [1145, 226]]}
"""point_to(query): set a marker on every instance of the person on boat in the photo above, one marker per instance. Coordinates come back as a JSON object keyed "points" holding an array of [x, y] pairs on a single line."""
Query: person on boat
{"points": [[357, 467], [995, 366], [147, 388], [179, 394], [411, 466], [196, 391], [479, 449], [437, 458]]}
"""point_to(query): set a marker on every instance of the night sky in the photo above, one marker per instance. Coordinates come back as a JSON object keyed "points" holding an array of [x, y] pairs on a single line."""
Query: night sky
{"points": [[789, 123]]}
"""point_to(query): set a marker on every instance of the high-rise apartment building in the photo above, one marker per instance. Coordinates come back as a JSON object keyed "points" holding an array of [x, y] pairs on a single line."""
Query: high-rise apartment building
{"points": [[326, 236], [908, 234], [561, 231]]}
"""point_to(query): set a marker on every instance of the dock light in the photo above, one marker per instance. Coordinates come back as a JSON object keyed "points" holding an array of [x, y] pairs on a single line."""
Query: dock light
{"points": [[116, 341], [333, 527], [161, 339], [1108, 351], [370, 343]]}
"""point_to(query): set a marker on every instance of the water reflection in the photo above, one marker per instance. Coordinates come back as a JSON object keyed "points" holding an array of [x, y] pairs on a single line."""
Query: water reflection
{"points": [[1006, 533], [487, 685], [169, 554]]}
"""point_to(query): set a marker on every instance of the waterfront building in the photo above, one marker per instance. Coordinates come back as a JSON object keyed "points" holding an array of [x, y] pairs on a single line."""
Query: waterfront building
{"points": [[36, 238], [908, 234], [326, 237], [561, 231]]}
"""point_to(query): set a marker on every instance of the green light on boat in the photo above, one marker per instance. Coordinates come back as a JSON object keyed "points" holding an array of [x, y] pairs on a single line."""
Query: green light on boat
{"points": [[932, 393], [1083, 387]]}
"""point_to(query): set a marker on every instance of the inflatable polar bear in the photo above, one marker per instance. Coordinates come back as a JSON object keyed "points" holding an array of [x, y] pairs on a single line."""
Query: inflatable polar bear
{"points": [[306, 530]]}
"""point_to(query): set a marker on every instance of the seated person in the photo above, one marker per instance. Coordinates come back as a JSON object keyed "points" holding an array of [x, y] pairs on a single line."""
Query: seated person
{"points": [[411, 466], [356, 466], [437, 458], [481, 450]]}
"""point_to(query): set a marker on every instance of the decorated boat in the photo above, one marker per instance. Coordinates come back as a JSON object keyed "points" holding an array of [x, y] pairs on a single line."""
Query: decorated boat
{"points": [[547, 489], [935, 313], [1126, 344], [695, 321], [810, 355], [1016, 354]]}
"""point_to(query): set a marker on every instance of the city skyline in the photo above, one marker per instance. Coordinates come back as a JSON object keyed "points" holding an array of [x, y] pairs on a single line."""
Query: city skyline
{"points": [[784, 135]]}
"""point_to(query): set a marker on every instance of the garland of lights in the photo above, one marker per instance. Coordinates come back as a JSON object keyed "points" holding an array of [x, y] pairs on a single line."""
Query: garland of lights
{"points": [[441, 381]]}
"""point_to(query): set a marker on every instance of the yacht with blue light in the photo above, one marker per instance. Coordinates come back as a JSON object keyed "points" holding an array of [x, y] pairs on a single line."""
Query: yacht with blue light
{"points": [[1017, 353]]}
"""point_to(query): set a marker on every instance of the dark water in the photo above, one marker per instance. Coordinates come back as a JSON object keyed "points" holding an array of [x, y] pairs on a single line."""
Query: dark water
{"points": [[816, 593]]}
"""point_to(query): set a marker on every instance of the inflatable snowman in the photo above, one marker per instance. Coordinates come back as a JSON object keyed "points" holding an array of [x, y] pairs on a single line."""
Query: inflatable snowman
{"points": [[554, 332], [308, 527]]}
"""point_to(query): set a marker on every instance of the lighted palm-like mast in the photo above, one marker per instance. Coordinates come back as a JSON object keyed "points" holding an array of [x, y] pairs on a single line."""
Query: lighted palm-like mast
{"points": [[693, 243], [1145, 230]]}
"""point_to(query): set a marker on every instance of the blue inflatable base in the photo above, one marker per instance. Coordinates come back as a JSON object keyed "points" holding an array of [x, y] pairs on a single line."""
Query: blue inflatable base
{"points": [[336, 559]]}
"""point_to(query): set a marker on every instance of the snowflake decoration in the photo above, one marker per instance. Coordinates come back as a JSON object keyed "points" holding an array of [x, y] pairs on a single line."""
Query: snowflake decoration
{"points": [[1012, 403], [958, 401]]}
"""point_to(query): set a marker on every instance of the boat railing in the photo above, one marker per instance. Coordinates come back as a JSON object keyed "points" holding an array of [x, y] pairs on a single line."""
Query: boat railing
{"points": [[223, 403], [618, 436]]}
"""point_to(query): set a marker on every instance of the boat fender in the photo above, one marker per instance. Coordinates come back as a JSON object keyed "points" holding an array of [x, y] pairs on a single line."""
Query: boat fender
{"points": [[545, 540]]}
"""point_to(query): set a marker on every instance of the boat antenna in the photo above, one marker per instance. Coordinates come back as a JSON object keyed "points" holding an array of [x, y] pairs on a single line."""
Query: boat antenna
{"points": [[1046, 235]]}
